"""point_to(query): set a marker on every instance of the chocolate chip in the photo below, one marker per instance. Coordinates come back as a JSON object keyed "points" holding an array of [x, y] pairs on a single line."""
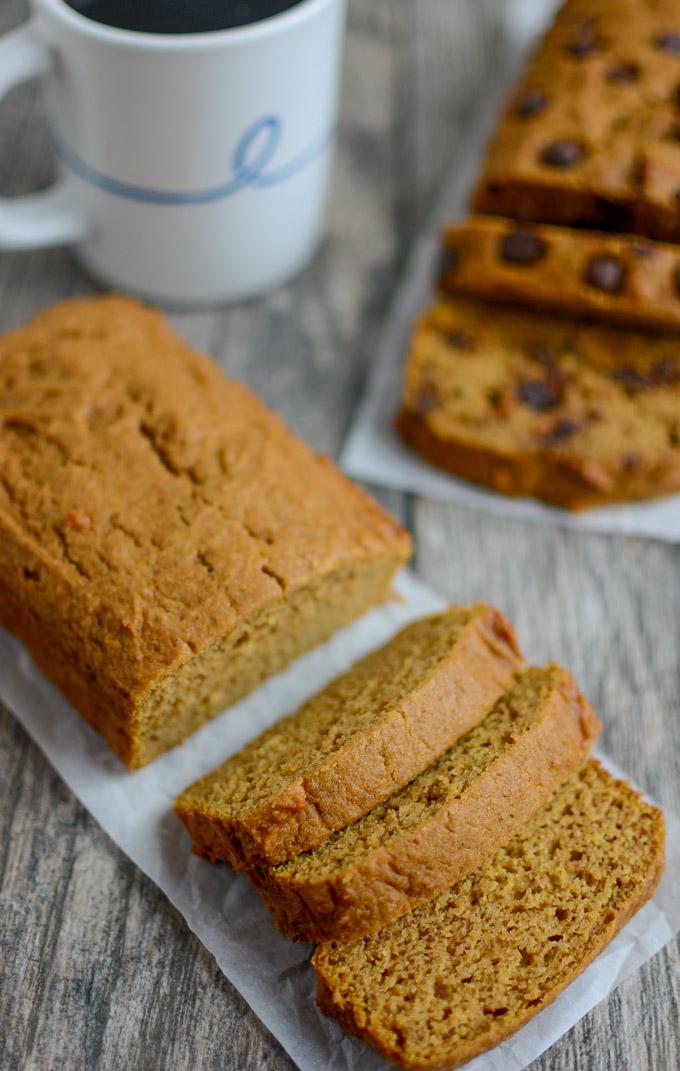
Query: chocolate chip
{"points": [[563, 153], [606, 273], [668, 42], [560, 432], [539, 394], [676, 278], [427, 399], [631, 462], [522, 247], [460, 340], [664, 371], [623, 73], [532, 102], [630, 378], [448, 262], [583, 45]]}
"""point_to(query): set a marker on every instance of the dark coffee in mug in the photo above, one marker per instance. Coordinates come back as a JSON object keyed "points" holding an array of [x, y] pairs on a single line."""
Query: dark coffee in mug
{"points": [[179, 16]]}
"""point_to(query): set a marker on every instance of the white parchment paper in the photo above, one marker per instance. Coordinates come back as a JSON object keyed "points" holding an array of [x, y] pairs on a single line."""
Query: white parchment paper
{"points": [[372, 451], [274, 974]]}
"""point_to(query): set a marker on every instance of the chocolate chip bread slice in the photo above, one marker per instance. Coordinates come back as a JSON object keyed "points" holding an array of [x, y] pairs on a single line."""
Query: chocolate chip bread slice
{"points": [[465, 971], [576, 414], [443, 824], [590, 136], [617, 278], [356, 742]]}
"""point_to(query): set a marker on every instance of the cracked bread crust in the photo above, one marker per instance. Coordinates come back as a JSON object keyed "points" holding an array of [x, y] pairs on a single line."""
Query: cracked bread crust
{"points": [[165, 541], [442, 825], [579, 415], [606, 277], [465, 971], [590, 136], [356, 742]]}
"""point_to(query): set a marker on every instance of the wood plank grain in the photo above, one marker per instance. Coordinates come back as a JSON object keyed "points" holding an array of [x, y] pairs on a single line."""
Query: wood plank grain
{"points": [[96, 969]]}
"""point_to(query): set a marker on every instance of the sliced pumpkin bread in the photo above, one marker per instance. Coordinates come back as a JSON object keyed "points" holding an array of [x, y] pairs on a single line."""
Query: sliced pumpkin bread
{"points": [[466, 970], [442, 825], [616, 278], [355, 743]]}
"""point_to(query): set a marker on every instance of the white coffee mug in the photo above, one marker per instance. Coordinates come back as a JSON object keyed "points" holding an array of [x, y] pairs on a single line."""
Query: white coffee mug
{"points": [[193, 168]]}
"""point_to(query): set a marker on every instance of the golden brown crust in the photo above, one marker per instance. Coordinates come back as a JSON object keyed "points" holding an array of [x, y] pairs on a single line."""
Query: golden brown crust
{"points": [[370, 765], [589, 138], [555, 482], [150, 509], [393, 877], [483, 663], [617, 278], [413, 1048], [578, 415]]}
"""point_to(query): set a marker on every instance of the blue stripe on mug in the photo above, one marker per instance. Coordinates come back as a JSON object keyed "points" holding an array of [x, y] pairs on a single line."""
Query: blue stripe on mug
{"points": [[252, 155]]}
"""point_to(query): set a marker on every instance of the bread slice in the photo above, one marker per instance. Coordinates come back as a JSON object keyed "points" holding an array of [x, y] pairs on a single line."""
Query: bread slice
{"points": [[356, 742], [466, 970], [443, 824], [587, 138], [531, 403], [609, 277]]}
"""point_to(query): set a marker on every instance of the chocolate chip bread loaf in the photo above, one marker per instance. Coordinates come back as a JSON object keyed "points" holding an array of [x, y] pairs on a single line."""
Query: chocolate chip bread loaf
{"points": [[466, 970], [591, 137], [443, 824], [576, 414], [586, 274], [165, 542], [356, 742]]}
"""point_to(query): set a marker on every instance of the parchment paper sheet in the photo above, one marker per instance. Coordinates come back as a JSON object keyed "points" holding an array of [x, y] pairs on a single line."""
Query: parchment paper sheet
{"points": [[272, 973], [372, 451]]}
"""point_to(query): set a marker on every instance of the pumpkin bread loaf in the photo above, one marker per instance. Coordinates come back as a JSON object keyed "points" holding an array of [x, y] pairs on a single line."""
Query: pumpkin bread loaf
{"points": [[590, 136], [466, 970], [166, 543], [576, 414], [356, 742], [443, 824], [586, 274]]}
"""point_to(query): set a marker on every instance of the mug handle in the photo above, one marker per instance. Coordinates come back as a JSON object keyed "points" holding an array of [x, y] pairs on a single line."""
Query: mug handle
{"points": [[49, 217]]}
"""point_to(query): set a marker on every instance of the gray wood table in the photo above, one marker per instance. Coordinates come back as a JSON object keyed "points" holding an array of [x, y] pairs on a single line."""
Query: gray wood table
{"points": [[96, 969]]}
